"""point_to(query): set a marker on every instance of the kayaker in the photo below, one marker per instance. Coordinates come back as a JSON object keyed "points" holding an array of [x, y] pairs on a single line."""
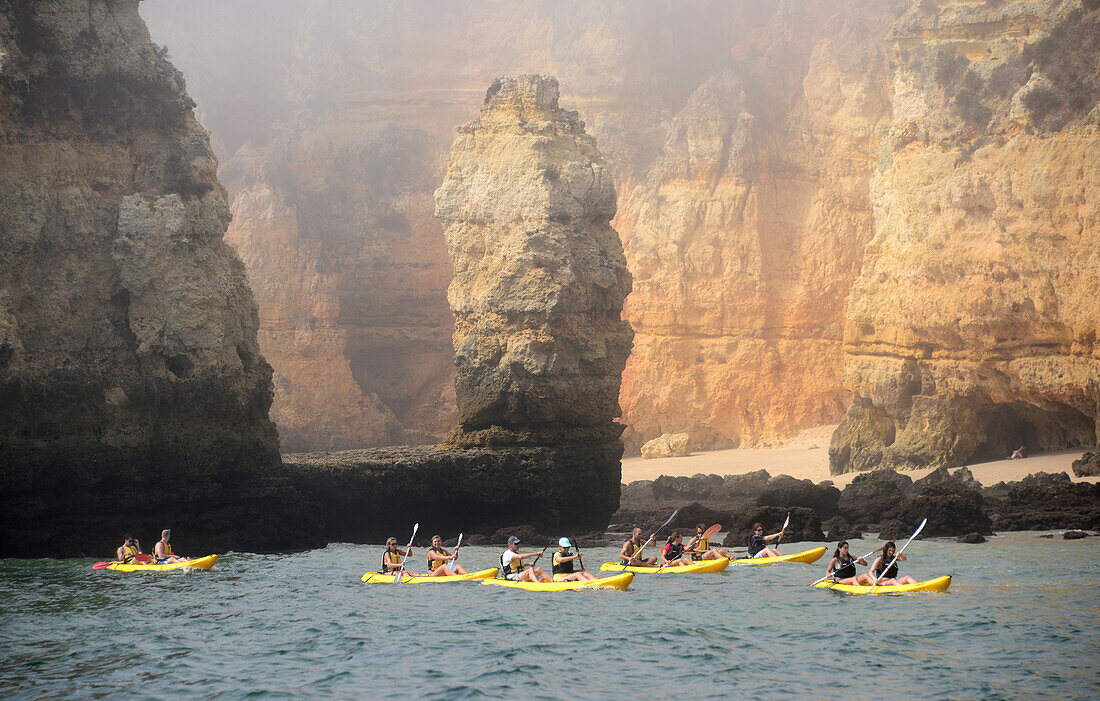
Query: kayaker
{"points": [[842, 568], [162, 551], [392, 558], [758, 542], [438, 560], [672, 554], [129, 550], [632, 550], [890, 577], [513, 568], [700, 549], [562, 566]]}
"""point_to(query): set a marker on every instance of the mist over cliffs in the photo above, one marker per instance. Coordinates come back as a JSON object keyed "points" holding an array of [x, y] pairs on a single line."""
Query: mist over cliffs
{"points": [[881, 212]]}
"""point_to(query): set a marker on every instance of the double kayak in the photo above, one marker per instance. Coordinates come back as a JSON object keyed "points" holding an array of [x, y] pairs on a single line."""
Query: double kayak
{"points": [[377, 578], [807, 556], [200, 563], [617, 581], [699, 567], [929, 585]]}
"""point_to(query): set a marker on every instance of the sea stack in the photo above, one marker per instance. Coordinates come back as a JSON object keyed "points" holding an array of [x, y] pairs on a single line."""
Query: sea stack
{"points": [[540, 275], [133, 396]]}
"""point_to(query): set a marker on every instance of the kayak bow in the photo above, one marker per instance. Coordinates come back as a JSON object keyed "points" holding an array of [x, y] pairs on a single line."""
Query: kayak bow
{"points": [[699, 567]]}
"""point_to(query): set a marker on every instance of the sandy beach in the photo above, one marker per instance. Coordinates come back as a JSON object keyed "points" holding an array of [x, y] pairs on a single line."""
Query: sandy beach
{"points": [[807, 457]]}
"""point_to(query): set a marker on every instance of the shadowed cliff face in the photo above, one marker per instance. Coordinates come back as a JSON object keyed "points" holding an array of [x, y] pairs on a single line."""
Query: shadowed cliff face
{"points": [[972, 327], [133, 395], [540, 275]]}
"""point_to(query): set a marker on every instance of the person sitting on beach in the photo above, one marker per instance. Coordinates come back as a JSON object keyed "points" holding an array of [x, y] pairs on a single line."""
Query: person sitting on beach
{"points": [[438, 559], [513, 568], [162, 551], [630, 554], [758, 542], [129, 550], [562, 566], [672, 554], [700, 549], [889, 577], [1019, 453], [842, 568], [392, 557]]}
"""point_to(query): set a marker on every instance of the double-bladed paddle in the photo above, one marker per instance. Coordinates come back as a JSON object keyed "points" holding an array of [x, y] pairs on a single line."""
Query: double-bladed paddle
{"points": [[142, 558], [864, 558], [897, 555], [454, 557], [578, 549], [782, 530], [707, 535], [408, 551], [646, 544]]}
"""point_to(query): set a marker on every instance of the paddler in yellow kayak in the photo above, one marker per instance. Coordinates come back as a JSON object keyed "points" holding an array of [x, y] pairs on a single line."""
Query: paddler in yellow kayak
{"points": [[162, 551], [672, 554], [842, 568], [890, 577], [700, 549], [758, 542], [392, 558], [562, 566], [512, 567], [630, 554], [438, 559], [129, 550]]}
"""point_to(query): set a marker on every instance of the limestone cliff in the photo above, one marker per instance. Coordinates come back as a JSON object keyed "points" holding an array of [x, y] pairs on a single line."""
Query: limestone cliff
{"points": [[133, 394], [972, 327], [540, 275]]}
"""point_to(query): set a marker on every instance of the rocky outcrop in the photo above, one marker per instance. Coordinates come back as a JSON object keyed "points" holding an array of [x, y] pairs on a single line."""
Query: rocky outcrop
{"points": [[540, 275], [1043, 502], [133, 394], [971, 328], [667, 445], [1088, 465]]}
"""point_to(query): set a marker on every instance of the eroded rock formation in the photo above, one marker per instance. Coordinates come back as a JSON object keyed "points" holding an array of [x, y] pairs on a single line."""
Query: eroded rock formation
{"points": [[972, 327], [540, 275], [133, 394]]}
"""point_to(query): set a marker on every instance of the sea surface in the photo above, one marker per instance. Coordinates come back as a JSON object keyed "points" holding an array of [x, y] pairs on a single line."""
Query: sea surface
{"points": [[1021, 620]]}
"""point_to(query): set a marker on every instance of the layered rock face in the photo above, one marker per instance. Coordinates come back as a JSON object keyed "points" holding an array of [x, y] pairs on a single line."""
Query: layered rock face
{"points": [[972, 327], [133, 394], [540, 275]]}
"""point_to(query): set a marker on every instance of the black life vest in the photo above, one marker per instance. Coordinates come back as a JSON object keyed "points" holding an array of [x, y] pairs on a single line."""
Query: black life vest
{"points": [[562, 567], [673, 552], [514, 567], [845, 567], [756, 544], [891, 573]]}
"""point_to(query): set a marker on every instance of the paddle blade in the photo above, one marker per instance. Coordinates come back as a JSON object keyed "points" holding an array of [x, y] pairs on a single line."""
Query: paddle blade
{"points": [[711, 532], [100, 565], [144, 558]]}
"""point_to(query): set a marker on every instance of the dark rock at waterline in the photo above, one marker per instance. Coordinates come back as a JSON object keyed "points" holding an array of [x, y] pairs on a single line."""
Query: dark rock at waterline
{"points": [[1074, 535], [895, 530], [838, 528], [951, 503], [695, 513], [1088, 465], [970, 538], [1047, 535], [784, 491], [805, 525], [874, 497], [368, 495], [1043, 501]]}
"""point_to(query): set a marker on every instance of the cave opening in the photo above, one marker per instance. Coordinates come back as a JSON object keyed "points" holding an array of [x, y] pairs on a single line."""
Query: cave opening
{"points": [[1054, 426]]}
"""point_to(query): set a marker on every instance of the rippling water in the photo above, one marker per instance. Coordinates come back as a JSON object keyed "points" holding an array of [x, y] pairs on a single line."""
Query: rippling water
{"points": [[1021, 620]]}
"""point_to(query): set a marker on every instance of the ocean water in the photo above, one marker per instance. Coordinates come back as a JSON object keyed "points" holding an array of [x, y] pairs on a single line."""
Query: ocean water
{"points": [[1021, 620]]}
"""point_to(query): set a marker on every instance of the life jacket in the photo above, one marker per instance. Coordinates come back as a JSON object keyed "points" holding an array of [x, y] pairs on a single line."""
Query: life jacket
{"points": [[514, 567], [891, 573], [756, 544], [389, 565], [562, 567], [845, 567], [701, 547], [131, 553], [167, 552], [432, 564], [634, 550], [673, 552]]}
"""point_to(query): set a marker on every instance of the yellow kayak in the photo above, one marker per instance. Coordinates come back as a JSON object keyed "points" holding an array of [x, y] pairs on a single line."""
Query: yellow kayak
{"points": [[700, 567], [929, 585], [617, 581], [376, 578], [201, 563], [807, 556]]}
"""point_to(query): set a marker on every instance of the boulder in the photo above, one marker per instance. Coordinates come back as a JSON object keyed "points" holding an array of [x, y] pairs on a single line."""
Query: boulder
{"points": [[874, 496], [1088, 465], [838, 528], [667, 445], [1074, 535], [695, 513], [1043, 501], [952, 505], [895, 530], [784, 491], [970, 538]]}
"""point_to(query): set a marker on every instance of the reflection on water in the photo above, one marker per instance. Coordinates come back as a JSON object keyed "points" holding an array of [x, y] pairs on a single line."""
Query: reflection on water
{"points": [[1021, 620]]}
